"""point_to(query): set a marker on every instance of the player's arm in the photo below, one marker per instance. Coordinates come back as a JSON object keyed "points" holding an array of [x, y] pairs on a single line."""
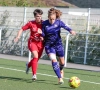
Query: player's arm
{"points": [[42, 32], [18, 35], [63, 25], [25, 27]]}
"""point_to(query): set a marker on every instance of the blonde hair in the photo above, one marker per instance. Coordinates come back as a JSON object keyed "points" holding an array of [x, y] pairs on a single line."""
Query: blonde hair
{"points": [[55, 11]]}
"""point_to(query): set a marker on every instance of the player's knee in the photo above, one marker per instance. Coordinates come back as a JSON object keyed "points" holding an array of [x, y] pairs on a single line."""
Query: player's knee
{"points": [[35, 54], [53, 57]]}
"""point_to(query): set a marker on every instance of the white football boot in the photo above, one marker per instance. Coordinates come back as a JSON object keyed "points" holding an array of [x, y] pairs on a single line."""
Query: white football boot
{"points": [[34, 77], [60, 81]]}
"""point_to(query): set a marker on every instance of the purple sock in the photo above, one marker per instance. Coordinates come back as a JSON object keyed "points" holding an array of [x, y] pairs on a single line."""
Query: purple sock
{"points": [[56, 69]]}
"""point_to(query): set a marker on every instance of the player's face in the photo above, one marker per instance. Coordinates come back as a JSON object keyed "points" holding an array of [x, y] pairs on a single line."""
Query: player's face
{"points": [[38, 18], [52, 18]]}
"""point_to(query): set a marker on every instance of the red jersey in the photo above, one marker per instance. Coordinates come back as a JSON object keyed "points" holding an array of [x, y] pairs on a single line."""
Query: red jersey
{"points": [[33, 26]]}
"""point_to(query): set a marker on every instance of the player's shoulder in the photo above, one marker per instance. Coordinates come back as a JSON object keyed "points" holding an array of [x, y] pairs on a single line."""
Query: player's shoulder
{"points": [[45, 22], [59, 20], [31, 22]]}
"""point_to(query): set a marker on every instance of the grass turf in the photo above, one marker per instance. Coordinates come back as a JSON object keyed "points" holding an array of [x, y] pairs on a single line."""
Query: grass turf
{"points": [[13, 79]]}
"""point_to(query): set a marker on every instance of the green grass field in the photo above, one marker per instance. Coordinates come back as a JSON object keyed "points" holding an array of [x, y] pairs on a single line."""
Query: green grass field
{"points": [[13, 77]]}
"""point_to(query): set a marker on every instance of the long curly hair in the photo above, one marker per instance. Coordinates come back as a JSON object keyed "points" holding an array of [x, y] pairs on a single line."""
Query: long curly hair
{"points": [[54, 11]]}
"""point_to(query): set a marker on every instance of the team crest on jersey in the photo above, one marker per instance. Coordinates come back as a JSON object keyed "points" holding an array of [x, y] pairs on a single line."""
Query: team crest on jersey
{"points": [[46, 26], [33, 29], [55, 25]]}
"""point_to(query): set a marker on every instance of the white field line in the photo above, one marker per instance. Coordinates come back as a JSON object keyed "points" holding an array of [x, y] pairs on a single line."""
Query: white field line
{"points": [[46, 75]]}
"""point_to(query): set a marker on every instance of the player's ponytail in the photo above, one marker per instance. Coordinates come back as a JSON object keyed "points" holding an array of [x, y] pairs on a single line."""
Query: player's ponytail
{"points": [[58, 14]]}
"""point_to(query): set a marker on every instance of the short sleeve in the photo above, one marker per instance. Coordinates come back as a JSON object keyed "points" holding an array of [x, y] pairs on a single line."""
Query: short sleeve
{"points": [[26, 26]]}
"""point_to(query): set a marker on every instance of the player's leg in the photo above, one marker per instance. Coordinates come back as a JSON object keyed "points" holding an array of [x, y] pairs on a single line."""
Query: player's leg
{"points": [[55, 66], [52, 56], [37, 52], [29, 64], [34, 62], [61, 64], [60, 54]]}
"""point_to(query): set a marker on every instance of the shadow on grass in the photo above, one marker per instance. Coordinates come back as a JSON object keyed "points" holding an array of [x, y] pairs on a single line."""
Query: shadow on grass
{"points": [[41, 81], [45, 81], [53, 83], [66, 88], [16, 79], [26, 80], [63, 87]]}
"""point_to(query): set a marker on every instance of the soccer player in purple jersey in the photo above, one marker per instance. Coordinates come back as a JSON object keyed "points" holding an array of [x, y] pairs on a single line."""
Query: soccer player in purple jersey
{"points": [[53, 42]]}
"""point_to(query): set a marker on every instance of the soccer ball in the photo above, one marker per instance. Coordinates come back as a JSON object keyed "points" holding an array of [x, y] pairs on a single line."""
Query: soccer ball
{"points": [[74, 82]]}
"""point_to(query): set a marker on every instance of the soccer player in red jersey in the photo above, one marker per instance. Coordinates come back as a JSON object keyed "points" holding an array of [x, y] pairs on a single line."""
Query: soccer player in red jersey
{"points": [[35, 41]]}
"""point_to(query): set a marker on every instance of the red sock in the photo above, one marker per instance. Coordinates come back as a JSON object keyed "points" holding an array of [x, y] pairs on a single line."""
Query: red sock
{"points": [[34, 64]]}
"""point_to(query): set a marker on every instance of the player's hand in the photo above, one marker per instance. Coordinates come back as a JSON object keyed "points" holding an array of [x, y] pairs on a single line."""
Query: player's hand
{"points": [[73, 32], [39, 31], [41, 38], [16, 39]]}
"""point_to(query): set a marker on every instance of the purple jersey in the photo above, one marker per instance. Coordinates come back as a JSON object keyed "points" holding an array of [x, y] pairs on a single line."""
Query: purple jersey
{"points": [[51, 34]]}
